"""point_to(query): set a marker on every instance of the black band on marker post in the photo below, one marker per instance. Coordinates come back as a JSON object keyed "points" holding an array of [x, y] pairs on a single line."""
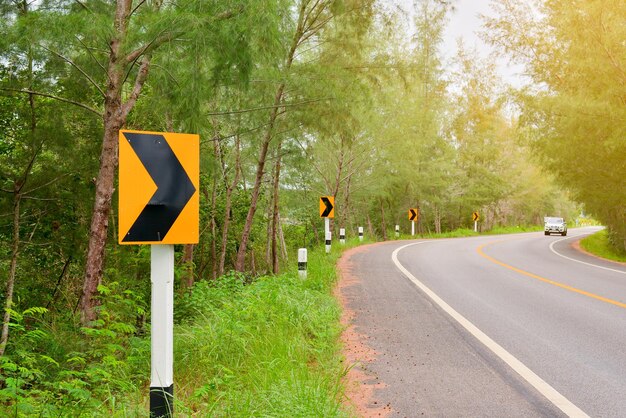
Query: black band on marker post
{"points": [[162, 402], [302, 265]]}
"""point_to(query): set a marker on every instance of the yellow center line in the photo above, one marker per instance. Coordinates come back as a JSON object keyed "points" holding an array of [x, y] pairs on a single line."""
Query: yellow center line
{"points": [[480, 251]]}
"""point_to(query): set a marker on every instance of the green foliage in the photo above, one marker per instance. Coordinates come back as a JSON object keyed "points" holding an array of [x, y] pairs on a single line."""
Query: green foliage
{"points": [[53, 370], [268, 348], [573, 113], [599, 244]]}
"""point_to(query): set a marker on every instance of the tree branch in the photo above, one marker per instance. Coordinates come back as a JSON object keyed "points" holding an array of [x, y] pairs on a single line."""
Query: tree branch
{"points": [[73, 64], [51, 96], [152, 45], [84, 6], [137, 7], [142, 75], [44, 185], [90, 54], [234, 112]]}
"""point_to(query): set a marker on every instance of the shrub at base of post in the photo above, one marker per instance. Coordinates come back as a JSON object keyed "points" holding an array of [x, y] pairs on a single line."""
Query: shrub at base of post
{"points": [[302, 260]]}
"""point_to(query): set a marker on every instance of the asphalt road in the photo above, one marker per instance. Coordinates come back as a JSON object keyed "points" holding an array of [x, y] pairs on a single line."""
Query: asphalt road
{"points": [[542, 328]]}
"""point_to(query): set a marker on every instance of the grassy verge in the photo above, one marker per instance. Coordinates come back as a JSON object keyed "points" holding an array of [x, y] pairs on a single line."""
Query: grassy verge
{"points": [[466, 232], [267, 348], [598, 244]]}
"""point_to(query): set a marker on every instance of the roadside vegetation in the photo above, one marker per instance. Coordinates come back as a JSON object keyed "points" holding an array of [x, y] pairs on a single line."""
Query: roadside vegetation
{"points": [[265, 346], [599, 244]]}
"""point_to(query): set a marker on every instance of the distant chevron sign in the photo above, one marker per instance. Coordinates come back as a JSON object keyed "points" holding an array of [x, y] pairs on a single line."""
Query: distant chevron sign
{"points": [[413, 214], [327, 206], [158, 182]]}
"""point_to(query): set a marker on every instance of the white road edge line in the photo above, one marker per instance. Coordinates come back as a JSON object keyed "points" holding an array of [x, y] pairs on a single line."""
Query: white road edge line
{"points": [[538, 383], [578, 261]]}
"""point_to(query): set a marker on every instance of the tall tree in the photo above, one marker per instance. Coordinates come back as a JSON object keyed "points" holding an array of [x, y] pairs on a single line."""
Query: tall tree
{"points": [[574, 113], [111, 49], [310, 19]]}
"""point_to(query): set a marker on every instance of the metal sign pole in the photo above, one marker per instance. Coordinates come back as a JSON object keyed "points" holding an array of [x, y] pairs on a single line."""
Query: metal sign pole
{"points": [[162, 331]]}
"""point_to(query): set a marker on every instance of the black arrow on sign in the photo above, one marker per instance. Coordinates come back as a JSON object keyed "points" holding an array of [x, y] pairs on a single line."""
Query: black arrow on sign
{"points": [[413, 214], [329, 207], [174, 188]]}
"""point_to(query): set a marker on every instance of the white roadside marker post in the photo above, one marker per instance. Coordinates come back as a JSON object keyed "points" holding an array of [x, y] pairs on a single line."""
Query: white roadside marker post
{"points": [[327, 234], [360, 233], [302, 260], [342, 236], [162, 331], [328, 240], [397, 231]]}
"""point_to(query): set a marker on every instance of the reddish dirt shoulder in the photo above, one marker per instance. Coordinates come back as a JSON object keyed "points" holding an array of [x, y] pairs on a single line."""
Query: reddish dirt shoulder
{"points": [[360, 385]]}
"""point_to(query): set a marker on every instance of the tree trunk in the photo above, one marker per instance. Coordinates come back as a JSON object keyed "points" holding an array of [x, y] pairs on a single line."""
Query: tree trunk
{"points": [[283, 244], [100, 219], [275, 215], [345, 213], [247, 229], [382, 215], [215, 273], [18, 187], [437, 220], [228, 205], [4, 337], [245, 236], [115, 114]]}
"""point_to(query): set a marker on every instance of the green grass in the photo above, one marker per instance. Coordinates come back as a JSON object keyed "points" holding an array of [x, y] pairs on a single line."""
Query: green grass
{"points": [[598, 244], [467, 232], [269, 348]]}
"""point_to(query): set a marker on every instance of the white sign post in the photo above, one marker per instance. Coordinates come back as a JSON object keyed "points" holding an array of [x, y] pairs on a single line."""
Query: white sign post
{"points": [[162, 330], [327, 234], [397, 231], [360, 233], [412, 228]]}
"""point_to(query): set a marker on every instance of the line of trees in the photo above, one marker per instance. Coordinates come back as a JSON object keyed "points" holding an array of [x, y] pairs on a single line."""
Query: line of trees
{"points": [[293, 99], [574, 110]]}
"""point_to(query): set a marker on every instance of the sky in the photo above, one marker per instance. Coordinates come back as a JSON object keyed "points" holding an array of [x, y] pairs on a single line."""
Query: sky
{"points": [[465, 23]]}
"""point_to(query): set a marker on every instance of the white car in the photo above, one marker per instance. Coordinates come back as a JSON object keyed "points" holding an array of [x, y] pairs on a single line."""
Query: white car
{"points": [[554, 225]]}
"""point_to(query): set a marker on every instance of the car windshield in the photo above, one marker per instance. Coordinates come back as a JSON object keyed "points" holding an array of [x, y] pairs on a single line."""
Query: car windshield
{"points": [[553, 220]]}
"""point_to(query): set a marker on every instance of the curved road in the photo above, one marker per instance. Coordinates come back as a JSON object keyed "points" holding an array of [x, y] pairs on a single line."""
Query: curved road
{"points": [[501, 326]]}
